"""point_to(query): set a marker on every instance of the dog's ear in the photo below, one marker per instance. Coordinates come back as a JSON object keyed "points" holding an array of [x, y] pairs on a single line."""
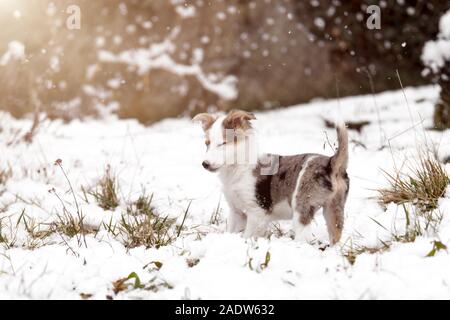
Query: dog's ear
{"points": [[238, 119], [205, 119]]}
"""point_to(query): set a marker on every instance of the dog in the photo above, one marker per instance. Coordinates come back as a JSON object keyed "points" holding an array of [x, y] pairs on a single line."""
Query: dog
{"points": [[273, 187]]}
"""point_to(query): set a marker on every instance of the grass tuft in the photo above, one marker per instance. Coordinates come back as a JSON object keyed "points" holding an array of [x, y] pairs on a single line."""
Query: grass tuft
{"points": [[147, 230], [423, 187], [417, 224], [352, 251], [5, 174], [3, 237], [70, 226], [142, 206], [67, 223], [106, 191], [8, 237], [38, 233], [142, 226]]}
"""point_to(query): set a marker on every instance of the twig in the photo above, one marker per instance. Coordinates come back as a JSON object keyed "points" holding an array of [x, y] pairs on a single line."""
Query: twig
{"points": [[184, 219]]}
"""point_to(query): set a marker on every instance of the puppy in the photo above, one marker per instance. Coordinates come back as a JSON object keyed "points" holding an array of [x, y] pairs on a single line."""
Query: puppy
{"points": [[260, 188]]}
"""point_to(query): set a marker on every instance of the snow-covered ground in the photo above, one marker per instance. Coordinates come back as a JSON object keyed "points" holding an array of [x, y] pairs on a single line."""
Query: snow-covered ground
{"points": [[165, 159]]}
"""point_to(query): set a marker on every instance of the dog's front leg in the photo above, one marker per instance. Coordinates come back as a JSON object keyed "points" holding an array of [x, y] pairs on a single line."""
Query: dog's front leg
{"points": [[257, 221], [236, 221]]}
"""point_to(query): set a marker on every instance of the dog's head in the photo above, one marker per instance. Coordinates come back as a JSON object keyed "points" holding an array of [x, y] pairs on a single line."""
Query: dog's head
{"points": [[227, 138]]}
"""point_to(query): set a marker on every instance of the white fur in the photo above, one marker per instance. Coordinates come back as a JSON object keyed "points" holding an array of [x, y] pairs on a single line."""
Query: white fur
{"points": [[235, 160], [236, 163], [297, 226], [282, 211], [243, 152], [215, 155], [239, 190], [239, 183]]}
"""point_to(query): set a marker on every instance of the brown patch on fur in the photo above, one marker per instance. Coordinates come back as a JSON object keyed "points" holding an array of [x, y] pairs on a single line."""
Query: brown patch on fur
{"points": [[206, 120], [339, 160], [323, 186], [238, 120], [333, 212], [273, 189]]}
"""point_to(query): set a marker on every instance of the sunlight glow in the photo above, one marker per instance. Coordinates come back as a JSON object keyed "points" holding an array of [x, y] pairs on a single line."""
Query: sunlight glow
{"points": [[9, 6]]}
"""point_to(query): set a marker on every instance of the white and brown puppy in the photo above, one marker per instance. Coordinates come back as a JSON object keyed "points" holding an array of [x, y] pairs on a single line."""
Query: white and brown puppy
{"points": [[269, 187]]}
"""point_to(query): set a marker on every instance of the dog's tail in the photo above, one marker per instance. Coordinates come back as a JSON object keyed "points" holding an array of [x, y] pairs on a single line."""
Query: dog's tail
{"points": [[340, 159]]}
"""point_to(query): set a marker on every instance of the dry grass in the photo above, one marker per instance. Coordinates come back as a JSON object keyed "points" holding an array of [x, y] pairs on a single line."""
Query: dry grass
{"points": [[106, 191], [142, 226], [142, 206], [352, 251], [3, 237], [8, 233], [147, 230], [70, 226], [216, 217], [5, 174], [423, 187], [418, 223], [38, 233]]}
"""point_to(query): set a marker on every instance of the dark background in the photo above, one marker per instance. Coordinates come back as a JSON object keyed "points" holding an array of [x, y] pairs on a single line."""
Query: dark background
{"points": [[281, 52]]}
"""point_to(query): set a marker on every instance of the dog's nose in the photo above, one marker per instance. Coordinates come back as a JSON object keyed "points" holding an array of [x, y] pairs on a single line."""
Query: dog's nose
{"points": [[206, 165]]}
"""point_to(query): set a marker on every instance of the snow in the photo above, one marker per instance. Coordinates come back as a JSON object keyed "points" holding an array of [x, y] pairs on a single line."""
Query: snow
{"points": [[159, 56], [221, 16], [435, 53], [15, 51], [319, 23], [186, 11], [444, 25], [165, 159]]}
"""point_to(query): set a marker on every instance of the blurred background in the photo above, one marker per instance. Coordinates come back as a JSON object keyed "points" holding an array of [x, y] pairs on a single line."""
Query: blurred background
{"points": [[152, 59]]}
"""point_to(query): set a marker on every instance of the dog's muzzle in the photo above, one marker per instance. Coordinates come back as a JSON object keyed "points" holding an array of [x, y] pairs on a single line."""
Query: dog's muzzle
{"points": [[208, 166]]}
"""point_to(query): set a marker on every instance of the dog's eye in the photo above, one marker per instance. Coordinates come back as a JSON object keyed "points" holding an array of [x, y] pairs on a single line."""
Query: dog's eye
{"points": [[222, 144]]}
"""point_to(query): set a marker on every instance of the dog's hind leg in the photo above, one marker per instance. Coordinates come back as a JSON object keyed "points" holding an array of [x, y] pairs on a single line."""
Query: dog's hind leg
{"points": [[333, 213], [302, 221]]}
